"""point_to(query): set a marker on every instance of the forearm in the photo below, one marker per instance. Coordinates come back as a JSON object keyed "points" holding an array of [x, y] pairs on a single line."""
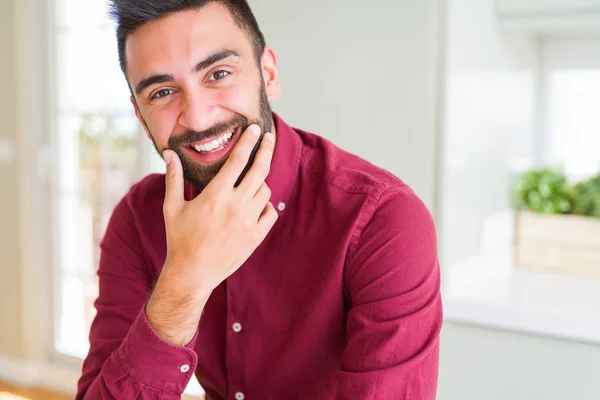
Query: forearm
{"points": [[175, 307]]}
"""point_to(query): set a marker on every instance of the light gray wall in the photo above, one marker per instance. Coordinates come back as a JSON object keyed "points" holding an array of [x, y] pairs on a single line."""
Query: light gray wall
{"points": [[363, 75]]}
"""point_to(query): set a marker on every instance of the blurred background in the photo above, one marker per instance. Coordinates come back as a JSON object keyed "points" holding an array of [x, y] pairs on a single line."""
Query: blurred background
{"points": [[489, 109]]}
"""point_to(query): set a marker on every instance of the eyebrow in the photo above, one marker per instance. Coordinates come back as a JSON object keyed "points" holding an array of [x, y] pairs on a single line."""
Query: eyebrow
{"points": [[207, 62]]}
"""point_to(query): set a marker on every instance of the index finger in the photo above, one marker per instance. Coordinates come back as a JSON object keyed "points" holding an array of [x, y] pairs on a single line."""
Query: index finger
{"points": [[261, 166], [239, 157]]}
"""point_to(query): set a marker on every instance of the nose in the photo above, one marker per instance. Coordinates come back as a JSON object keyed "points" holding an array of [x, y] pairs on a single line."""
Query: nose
{"points": [[198, 111]]}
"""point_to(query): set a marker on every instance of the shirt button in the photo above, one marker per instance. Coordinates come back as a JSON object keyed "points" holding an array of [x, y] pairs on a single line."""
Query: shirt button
{"points": [[281, 206], [237, 328], [184, 368], [239, 396]]}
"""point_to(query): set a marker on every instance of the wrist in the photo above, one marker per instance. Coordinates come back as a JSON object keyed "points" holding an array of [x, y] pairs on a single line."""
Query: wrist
{"points": [[173, 313], [187, 277]]}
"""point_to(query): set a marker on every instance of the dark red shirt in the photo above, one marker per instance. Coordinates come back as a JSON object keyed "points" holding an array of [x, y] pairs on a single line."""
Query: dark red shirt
{"points": [[340, 301]]}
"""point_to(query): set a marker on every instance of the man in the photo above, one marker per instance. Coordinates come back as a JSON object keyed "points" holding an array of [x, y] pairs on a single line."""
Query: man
{"points": [[270, 263]]}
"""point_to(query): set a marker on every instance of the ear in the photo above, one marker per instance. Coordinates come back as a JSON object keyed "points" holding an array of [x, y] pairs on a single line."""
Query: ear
{"points": [[139, 116], [270, 75]]}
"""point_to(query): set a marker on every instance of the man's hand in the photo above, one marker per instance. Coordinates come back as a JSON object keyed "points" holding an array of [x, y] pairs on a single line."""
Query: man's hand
{"points": [[210, 237]]}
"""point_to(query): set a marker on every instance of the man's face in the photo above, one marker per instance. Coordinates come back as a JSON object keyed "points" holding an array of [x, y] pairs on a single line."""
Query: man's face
{"points": [[197, 86]]}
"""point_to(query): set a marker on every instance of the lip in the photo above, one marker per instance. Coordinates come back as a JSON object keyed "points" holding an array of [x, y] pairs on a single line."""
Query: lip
{"points": [[213, 157]]}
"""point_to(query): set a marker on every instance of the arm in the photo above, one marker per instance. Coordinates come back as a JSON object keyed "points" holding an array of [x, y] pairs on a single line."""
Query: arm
{"points": [[393, 282], [127, 359]]}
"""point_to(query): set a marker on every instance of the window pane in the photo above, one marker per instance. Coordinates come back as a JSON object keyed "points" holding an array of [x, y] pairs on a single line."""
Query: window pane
{"points": [[88, 74], [77, 311], [574, 121], [97, 157], [82, 14]]}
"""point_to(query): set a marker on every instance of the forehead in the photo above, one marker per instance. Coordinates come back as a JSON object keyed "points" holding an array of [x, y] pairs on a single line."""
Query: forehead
{"points": [[178, 41]]}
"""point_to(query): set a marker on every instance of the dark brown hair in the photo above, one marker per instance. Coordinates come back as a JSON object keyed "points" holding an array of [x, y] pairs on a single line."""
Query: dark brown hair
{"points": [[129, 15]]}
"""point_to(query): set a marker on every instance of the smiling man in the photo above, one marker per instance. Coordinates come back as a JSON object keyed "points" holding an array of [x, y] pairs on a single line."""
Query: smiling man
{"points": [[267, 262]]}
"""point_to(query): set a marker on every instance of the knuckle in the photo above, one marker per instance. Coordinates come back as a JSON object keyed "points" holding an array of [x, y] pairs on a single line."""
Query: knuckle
{"points": [[267, 190], [212, 203], [233, 212], [257, 236], [262, 166], [170, 177]]}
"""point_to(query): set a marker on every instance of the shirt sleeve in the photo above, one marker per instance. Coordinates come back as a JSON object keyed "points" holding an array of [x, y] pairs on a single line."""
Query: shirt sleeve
{"points": [[395, 317], [127, 359]]}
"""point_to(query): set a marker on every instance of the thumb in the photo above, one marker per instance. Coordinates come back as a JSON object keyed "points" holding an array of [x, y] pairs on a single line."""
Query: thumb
{"points": [[173, 182]]}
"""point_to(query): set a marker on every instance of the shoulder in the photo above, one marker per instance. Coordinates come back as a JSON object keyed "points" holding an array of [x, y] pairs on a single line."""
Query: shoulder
{"points": [[147, 192], [150, 187], [389, 207], [143, 200], [352, 174]]}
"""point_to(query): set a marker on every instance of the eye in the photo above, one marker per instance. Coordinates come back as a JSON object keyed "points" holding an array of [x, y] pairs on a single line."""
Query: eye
{"points": [[218, 75], [161, 93]]}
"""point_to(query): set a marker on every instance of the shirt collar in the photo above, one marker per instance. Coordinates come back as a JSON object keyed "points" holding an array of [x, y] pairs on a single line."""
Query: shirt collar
{"points": [[284, 166]]}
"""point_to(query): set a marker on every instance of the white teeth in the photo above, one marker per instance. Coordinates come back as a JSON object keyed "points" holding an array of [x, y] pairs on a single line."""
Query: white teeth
{"points": [[215, 144]]}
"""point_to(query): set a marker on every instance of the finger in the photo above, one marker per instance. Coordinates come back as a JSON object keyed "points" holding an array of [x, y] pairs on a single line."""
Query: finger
{"points": [[239, 157], [260, 168], [261, 198], [267, 219], [173, 183]]}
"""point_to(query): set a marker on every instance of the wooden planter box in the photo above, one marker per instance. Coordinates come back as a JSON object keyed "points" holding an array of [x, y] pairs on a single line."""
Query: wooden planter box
{"points": [[565, 243]]}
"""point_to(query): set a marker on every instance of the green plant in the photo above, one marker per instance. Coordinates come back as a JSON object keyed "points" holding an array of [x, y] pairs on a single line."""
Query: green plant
{"points": [[586, 197], [544, 191]]}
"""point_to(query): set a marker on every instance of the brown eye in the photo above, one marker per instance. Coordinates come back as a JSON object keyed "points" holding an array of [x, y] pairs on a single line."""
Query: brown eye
{"points": [[162, 93], [218, 75]]}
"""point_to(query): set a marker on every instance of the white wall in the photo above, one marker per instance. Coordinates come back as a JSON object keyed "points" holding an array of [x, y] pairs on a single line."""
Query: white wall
{"points": [[489, 122], [363, 76]]}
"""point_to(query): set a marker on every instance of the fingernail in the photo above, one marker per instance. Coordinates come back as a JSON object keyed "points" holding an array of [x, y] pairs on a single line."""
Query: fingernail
{"points": [[167, 157], [255, 130], [270, 137]]}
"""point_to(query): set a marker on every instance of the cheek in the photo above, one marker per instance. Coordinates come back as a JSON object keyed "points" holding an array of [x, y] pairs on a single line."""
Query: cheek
{"points": [[162, 123], [241, 99]]}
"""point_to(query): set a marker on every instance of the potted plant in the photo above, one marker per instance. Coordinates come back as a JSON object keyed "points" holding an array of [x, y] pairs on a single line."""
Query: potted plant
{"points": [[558, 225]]}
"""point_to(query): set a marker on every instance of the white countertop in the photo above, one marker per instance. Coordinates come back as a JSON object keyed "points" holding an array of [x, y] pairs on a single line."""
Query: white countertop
{"points": [[489, 291]]}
